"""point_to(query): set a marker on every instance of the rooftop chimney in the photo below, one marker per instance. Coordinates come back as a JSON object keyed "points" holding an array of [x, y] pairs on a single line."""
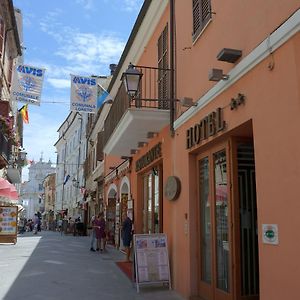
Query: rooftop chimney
{"points": [[112, 68]]}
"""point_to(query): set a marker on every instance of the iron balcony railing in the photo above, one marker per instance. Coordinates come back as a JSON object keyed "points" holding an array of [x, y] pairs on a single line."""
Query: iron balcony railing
{"points": [[153, 93]]}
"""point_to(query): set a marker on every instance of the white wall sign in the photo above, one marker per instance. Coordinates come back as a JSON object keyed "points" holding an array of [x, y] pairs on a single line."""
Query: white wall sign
{"points": [[270, 234]]}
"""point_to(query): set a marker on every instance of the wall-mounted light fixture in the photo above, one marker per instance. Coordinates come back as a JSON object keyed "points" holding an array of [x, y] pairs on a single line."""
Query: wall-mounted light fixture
{"points": [[131, 79], [229, 55], [22, 154], [75, 182], [92, 143], [217, 75], [187, 102]]}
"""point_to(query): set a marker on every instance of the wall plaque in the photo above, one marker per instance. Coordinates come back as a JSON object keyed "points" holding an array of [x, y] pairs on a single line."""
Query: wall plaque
{"points": [[172, 188]]}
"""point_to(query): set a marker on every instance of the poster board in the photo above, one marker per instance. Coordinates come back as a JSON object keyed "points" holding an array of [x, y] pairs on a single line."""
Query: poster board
{"points": [[151, 259], [8, 224]]}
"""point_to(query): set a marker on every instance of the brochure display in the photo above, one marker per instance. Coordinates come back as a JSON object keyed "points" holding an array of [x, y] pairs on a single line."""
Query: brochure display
{"points": [[151, 259], [8, 224]]}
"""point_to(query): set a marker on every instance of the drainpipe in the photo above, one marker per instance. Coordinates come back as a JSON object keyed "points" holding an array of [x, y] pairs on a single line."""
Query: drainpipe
{"points": [[172, 67]]}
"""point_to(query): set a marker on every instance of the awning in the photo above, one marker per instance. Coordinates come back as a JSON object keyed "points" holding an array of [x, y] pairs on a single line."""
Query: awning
{"points": [[8, 190]]}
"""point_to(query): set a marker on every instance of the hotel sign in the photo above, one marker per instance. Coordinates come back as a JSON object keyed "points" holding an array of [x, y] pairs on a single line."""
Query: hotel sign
{"points": [[149, 157], [207, 127]]}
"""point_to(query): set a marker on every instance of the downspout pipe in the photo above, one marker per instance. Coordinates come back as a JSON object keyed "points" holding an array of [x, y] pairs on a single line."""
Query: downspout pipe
{"points": [[172, 67]]}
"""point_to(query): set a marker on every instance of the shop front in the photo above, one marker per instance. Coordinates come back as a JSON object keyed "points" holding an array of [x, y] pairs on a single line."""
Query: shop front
{"points": [[149, 175]]}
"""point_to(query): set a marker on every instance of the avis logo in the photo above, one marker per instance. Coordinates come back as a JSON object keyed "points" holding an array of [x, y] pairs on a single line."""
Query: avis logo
{"points": [[84, 80], [84, 93], [30, 70], [28, 83]]}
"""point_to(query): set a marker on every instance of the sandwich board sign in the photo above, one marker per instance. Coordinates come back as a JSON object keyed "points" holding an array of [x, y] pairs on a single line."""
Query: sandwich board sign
{"points": [[8, 224], [151, 259]]}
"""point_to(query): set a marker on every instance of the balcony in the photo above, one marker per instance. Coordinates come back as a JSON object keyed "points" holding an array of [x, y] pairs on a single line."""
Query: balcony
{"points": [[131, 119]]}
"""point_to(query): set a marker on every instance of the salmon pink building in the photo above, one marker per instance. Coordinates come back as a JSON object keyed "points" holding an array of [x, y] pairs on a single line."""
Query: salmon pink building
{"points": [[207, 145]]}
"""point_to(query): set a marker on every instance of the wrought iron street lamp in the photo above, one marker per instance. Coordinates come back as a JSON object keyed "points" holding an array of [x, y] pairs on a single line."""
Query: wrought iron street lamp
{"points": [[75, 183], [23, 154], [131, 78]]}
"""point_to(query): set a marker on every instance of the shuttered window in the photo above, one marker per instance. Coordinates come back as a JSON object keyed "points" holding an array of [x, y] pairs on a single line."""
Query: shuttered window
{"points": [[100, 147], [201, 15], [1, 36], [163, 74]]}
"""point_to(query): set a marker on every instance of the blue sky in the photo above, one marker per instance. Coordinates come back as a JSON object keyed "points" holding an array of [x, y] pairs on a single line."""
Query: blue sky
{"points": [[80, 37]]}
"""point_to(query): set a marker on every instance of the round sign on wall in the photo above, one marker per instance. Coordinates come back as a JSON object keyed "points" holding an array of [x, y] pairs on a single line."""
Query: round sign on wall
{"points": [[172, 188]]}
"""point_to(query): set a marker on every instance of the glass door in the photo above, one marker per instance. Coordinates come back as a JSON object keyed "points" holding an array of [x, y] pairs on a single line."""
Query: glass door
{"points": [[214, 219], [152, 201]]}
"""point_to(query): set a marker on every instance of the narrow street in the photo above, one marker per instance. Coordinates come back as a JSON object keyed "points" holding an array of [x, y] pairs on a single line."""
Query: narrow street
{"points": [[54, 266]]}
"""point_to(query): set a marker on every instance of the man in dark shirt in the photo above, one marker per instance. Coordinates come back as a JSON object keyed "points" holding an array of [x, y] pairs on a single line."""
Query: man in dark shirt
{"points": [[127, 234]]}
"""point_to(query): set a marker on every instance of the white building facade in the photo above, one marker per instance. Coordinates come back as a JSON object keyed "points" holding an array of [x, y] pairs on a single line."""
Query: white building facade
{"points": [[71, 153]]}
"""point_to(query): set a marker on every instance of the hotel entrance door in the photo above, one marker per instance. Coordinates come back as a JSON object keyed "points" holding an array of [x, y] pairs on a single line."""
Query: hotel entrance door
{"points": [[225, 245]]}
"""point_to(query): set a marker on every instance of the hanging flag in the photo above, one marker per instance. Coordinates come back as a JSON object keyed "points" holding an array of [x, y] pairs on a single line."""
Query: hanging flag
{"points": [[24, 113], [103, 96], [83, 94], [27, 84], [66, 179]]}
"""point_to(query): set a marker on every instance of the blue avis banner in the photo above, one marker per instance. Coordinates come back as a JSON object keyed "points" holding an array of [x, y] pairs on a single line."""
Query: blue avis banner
{"points": [[83, 94], [27, 84]]}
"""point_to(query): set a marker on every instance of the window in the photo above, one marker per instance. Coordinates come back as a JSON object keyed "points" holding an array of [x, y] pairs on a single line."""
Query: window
{"points": [[163, 64], [201, 16], [152, 222], [1, 35]]}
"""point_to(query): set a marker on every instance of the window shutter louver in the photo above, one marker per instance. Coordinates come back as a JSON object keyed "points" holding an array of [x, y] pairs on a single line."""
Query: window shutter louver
{"points": [[163, 81], [201, 15], [99, 153]]}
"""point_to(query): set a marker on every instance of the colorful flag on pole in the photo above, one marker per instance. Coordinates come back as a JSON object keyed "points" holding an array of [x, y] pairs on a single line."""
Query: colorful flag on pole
{"points": [[24, 113], [66, 179], [103, 96], [27, 84]]}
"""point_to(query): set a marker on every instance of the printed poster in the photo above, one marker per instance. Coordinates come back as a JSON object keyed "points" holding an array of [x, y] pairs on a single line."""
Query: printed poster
{"points": [[27, 84], [8, 220], [151, 254], [83, 94]]}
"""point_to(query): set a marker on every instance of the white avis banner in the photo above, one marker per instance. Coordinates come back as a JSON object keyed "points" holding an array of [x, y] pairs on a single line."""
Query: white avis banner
{"points": [[83, 94], [27, 84]]}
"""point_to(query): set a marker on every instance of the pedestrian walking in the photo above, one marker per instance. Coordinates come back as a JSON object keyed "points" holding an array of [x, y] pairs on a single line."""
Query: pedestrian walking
{"points": [[93, 234], [100, 232], [35, 224], [126, 234]]}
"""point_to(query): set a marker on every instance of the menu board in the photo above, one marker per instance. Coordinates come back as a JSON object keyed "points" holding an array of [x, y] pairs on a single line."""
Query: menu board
{"points": [[151, 258], [8, 220]]}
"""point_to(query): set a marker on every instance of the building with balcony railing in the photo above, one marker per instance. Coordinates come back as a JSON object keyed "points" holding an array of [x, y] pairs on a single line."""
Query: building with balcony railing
{"points": [[219, 177]]}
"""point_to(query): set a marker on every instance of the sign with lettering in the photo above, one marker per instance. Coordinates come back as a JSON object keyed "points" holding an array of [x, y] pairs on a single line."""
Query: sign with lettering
{"points": [[8, 220], [151, 259], [207, 127], [149, 157], [83, 94], [27, 84]]}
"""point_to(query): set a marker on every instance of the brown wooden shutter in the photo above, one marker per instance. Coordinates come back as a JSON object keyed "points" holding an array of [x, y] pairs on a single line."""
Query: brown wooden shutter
{"points": [[100, 145], [163, 65], [201, 15], [1, 36]]}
